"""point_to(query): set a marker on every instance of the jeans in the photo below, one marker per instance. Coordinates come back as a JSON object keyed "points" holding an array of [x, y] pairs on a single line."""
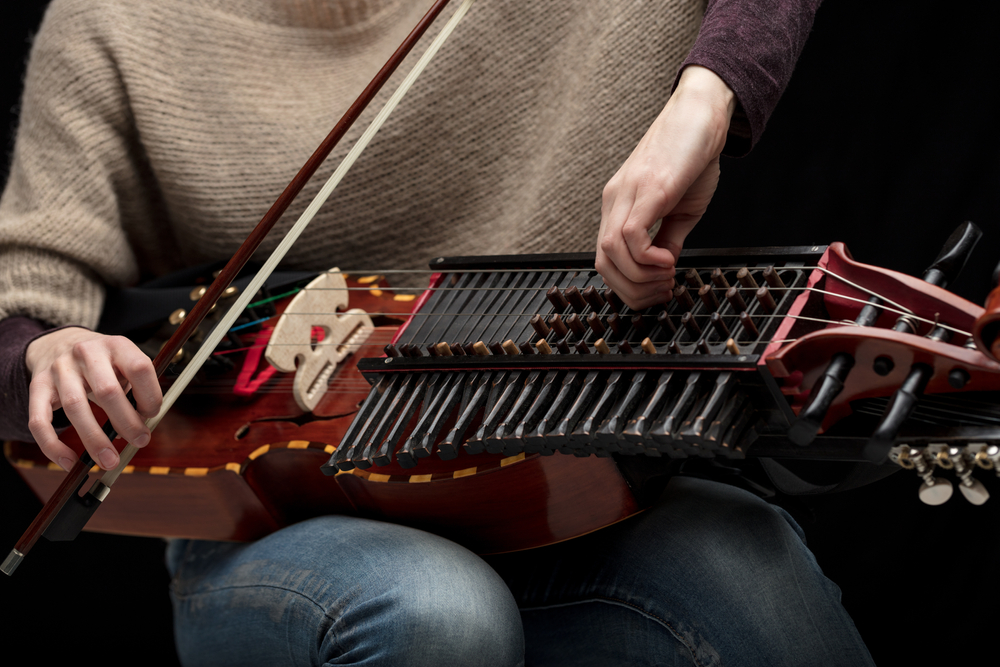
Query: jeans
{"points": [[710, 575]]}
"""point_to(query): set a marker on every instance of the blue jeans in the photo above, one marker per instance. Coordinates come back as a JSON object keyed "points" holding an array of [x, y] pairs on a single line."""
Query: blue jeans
{"points": [[710, 575]]}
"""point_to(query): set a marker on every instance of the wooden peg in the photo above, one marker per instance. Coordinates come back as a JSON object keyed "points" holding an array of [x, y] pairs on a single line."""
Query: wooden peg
{"points": [[563, 346], [719, 324], [772, 278], [543, 346], [576, 325], [615, 322], [766, 300], [683, 297], [614, 301], [748, 324], [594, 298], [601, 346], [639, 323], [391, 351], [674, 348], [575, 299], [526, 348], [443, 350], [479, 347], [666, 322], [556, 298], [743, 275], [510, 347], [624, 347], [735, 299], [582, 348], [689, 323], [732, 347], [556, 324], [693, 279], [595, 324], [703, 347], [457, 350], [708, 297], [497, 349], [648, 347], [539, 325], [719, 279]]}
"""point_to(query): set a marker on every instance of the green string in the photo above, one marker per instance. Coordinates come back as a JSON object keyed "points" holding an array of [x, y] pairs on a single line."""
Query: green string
{"points": [[274, 298]]}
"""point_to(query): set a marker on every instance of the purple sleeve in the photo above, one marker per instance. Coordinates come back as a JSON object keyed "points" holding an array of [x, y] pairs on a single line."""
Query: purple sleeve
{"points": [[15, 334], [753, 47]]}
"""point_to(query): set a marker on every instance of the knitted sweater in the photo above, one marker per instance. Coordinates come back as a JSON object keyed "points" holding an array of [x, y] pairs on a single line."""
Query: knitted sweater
{"points": [[153, 135]]}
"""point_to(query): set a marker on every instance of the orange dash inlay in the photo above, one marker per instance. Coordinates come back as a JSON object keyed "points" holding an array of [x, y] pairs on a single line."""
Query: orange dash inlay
{"points": [[511, 459]]}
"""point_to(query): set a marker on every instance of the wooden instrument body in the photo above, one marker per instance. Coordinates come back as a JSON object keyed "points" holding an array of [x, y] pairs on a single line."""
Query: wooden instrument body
{"points": [[229, 467]]}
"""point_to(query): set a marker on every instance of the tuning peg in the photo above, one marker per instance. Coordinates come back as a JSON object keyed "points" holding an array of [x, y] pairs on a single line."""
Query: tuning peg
{"points": [[900, 407], [974, 491], [937, 492], [954, 254], [829, 386]]}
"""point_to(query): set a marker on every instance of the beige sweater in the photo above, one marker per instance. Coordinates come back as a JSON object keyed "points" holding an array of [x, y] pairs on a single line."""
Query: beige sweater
{"points": [[155, 133]]}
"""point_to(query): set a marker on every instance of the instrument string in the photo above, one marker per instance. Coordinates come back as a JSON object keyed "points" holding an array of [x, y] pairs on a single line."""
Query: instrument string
{"points": [[237, 308], [380, 336]]}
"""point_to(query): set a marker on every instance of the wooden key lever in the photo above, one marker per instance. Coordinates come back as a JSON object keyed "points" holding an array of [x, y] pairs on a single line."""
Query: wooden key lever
{"points": [[945, 269]]}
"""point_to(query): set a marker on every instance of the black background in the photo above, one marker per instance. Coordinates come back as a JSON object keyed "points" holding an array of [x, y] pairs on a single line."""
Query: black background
{"points": [[885, 139]]}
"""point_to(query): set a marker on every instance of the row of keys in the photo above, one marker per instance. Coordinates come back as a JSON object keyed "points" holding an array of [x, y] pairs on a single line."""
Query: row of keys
{"points": [[579, 412], [573, 312]]}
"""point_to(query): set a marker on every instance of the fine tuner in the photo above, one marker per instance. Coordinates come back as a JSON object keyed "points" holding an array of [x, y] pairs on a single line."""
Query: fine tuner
{"points": [[960, 460]]}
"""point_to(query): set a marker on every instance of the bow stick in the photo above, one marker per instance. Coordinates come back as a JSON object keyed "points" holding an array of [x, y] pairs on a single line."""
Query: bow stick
{"points": [[79, 511]]}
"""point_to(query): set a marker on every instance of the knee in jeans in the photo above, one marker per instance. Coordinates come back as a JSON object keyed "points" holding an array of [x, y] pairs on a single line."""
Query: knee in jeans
{"points": [[721, 519], [459, 619]]}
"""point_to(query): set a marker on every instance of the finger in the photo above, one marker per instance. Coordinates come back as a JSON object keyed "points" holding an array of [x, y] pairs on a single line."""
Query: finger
{"points": [[637, 296], [110, 396], [73, 397], [137, 369], [646, 210], [41, 395], [614, 245]]}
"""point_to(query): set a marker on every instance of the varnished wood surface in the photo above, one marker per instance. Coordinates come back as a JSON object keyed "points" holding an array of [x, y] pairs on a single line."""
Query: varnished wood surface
{"points": [[800, 362], [227, 467], [987, 328]]}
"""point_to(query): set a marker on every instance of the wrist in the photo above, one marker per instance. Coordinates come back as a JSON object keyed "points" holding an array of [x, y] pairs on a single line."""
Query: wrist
{"points": [[46, 341], [701, 84]]}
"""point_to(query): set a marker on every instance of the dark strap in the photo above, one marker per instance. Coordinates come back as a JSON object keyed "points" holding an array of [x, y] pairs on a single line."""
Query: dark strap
{"points": [[835, 477]]}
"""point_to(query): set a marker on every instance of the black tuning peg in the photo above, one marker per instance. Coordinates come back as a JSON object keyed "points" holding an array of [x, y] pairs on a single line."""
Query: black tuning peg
{"points": [[954, 254], [804, 429], [829, 386], [900, 407], [946, 268]]}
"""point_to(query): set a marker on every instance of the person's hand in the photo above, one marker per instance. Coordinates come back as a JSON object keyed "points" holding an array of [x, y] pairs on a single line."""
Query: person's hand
{"points": [[69, 366], [671, 175]]}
